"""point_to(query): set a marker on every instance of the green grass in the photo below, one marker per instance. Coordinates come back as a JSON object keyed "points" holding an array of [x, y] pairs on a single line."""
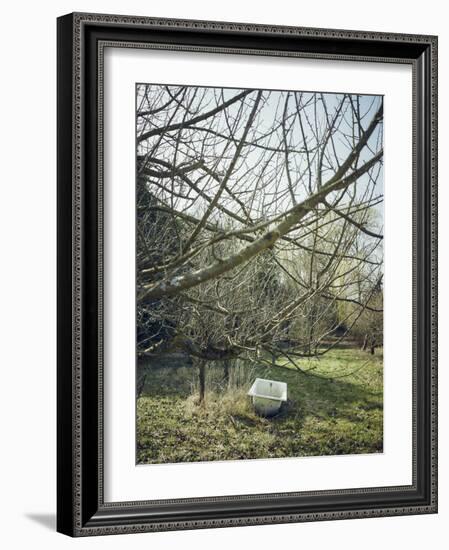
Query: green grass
{"points": [[335, 409]]}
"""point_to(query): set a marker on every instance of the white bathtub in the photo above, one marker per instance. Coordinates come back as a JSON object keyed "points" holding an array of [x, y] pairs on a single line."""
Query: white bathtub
{"points": [[268, 396]]}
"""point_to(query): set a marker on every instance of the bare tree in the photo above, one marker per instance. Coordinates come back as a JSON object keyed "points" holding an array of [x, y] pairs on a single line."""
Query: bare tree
{"points": [[258, 219]]}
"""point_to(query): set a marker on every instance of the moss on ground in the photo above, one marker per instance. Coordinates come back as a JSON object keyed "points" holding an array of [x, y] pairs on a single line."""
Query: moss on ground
{"points": [[335, 409]]}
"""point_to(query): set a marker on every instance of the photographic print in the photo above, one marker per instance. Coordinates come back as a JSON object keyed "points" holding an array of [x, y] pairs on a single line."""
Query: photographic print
{"points": [[228, 299], [259, 273]]}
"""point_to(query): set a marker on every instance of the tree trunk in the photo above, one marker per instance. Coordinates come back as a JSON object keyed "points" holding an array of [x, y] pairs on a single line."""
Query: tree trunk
{"points": [[226, 372], [202, 380], [310, 336], [373, 347], [365, 342], [140, 385]]}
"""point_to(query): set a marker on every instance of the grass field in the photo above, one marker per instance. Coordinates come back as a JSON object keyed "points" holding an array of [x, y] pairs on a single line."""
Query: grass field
{"points": [[337, 408]]}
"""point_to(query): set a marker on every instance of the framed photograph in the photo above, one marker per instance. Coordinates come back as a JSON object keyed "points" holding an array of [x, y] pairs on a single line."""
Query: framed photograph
{"points": [[246, 274]]}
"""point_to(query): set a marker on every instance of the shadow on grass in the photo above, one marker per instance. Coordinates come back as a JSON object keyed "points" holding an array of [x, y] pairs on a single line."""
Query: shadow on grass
{"points": [[324, 397]]}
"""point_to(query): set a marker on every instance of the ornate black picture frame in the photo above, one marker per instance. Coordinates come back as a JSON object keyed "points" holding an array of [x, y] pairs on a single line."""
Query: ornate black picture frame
{"points": [[81, 509]]}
